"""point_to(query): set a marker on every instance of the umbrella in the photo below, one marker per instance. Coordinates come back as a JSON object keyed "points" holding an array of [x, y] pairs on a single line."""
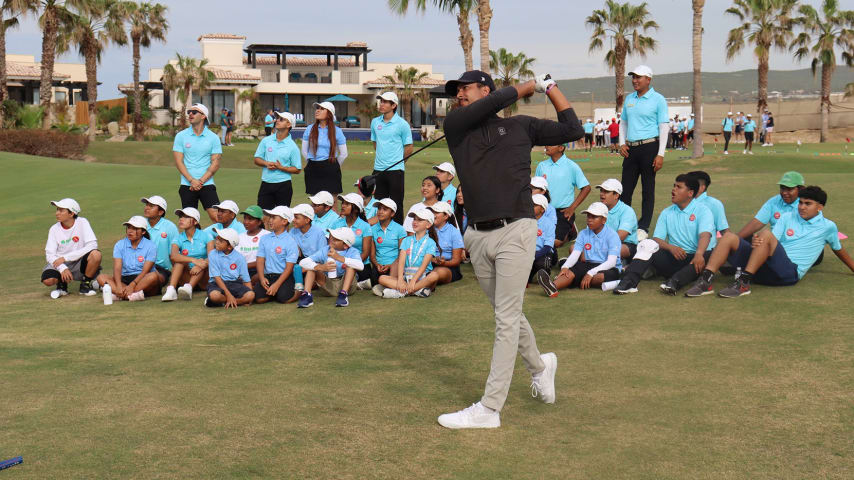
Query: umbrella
{"points": [[340, 98]]}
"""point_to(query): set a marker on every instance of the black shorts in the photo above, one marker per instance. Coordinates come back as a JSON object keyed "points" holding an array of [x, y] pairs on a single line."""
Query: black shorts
{"points": [[283, 294], [323, 175], [580, 269], [456, 274], [633, 249], [777, 271], [748, 136], [268, 131], [615, 140], [237, 288], [564, 229], [271, 195], [252, 272], [588, 137], [126, 279], [207, 195], [364, 274], [738, 128], [162, 271]]}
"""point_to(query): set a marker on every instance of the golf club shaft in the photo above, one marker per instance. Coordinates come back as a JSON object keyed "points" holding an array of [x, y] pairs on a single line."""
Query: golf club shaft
{"points": [[413, 153]]}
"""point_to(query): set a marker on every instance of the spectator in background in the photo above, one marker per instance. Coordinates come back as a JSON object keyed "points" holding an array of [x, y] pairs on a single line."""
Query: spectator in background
{"points": [[325, 148], [268, 123]]}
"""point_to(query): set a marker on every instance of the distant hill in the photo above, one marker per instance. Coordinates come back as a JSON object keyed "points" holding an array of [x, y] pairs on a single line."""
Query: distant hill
{"points": [[716, 85]]}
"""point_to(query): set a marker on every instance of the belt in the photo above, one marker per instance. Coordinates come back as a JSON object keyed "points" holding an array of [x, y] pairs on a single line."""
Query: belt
{"points": [[642, 142], [492, 224]]}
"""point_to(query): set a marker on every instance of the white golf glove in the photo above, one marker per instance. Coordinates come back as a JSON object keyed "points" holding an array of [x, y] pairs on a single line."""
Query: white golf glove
{"points": [[544, 81]]}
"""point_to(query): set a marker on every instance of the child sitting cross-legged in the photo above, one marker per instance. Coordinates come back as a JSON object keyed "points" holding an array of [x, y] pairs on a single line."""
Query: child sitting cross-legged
{"points": [[229, 276], [415, 274], [336, 274], [133, 264]]}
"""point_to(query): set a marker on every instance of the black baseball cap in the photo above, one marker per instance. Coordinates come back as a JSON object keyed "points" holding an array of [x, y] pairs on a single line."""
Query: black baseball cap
{"points": [[472, 76]]}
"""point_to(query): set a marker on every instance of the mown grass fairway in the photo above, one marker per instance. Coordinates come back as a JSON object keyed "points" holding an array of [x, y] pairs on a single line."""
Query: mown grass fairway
{"points": [[648, 386]]}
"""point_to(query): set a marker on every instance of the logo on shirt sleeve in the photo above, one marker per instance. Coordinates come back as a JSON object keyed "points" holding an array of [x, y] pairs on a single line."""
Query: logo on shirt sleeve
{"points": [[233, 266], [790, 232], [692, 217], [75, 239], [587, 246], [777, 215], [140, 259]]}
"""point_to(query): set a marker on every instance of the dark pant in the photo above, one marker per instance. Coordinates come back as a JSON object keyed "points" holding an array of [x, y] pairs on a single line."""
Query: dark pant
{"points": [[565, 229], [390, 184], [271, 195], [639, 164], [283, 294], [680, 272], [543, 262], [727, 136], [268, 131], [207, 195], [322, 175]]}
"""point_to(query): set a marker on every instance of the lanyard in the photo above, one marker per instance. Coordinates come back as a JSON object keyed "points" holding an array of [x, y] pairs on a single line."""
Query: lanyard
{"points": [[420, 249]]}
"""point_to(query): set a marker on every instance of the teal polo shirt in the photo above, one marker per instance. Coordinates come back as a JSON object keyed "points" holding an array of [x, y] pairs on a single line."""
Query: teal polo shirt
{"points": [[683, 227], [803, 240], [727, 124], [268, 121], [325, 222], [371, 208], [774, 209], [564, 177], [391, 138], [197, 150], [284, 152], [236, 225], [717, 208], [596, 247], [132, 258], [623, 217], [415, 251], [386, 241], [750, 126], [691, 124], [642, 115], [162, 235], [196, 247], [588, 127]]}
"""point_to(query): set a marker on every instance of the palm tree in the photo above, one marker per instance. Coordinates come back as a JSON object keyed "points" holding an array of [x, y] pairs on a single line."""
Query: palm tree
{"points": [[624, 25], [461, 8], [98, 24], [147, 23], [837, 28], [405, 82], [765, 24], [697, 100], [14, 8], [484, 18], [509, 69], [56, 15], [186, 75]]}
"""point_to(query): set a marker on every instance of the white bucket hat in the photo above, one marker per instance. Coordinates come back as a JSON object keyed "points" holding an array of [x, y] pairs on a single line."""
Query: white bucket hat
{"points": [[611, 185], [597, 208], [540, 199], [229, 205], [390, 97], [441, 207], [189, 212], [446, 167], [287, 116], [388, 203], [305, 210], [424, 214], [540, 182], [326, 106]]}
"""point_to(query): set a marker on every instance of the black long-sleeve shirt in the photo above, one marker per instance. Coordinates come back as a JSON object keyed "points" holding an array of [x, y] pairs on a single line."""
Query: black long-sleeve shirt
{"points": [[492, 155]]}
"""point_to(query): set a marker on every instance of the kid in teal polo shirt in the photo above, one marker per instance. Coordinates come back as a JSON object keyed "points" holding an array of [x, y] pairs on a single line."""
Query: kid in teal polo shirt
{"points": [[776, 206], [387, 235], [277, 256], [189, 257], [351, 213], [280, 158], [229, 277], [162, 232], [564, 176], [133, 264], [621, 217], [713, 204]]}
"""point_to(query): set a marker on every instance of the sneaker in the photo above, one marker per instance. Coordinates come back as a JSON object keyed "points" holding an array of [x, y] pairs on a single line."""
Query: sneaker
{"points": [[210, 304], [364, 284], [642, 235], [137, 296], [545, 281], [475, 416], [378, 290], [744, 152], [623, 288], [59, 292], [305, 300], [726, 153], [750, 152], [185, 292], [170, 296], [343, 299], [392, 293], [737, 289], [423, 293], [700, 288], [543, 384], [669, 287], [87, 290]]}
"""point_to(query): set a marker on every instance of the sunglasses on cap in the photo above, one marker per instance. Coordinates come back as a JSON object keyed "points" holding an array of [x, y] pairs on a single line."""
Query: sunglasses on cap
{"points": [[193, 112]]}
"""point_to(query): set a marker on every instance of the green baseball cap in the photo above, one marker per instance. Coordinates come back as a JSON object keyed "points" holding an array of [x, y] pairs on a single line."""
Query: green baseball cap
{"points": [[791, 180], [254, 211]]}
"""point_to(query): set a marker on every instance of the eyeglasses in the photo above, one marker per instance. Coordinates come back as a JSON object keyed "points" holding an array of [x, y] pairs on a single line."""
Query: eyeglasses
{"points": [[193, 112]]}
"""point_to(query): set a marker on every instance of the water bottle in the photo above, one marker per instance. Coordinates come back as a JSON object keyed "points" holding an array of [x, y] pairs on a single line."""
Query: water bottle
{"points": [[108, 294], [334, 272]]}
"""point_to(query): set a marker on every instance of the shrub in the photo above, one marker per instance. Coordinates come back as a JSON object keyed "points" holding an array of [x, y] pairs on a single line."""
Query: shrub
{"points": [[45, 143], [29, 117], [107, 115]]}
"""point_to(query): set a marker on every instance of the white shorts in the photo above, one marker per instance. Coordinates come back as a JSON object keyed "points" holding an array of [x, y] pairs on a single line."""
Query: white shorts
{"points": [[769, 129]]}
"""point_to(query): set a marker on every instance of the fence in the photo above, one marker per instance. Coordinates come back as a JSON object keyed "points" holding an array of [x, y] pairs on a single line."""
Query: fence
{"points": [[81, 116]]}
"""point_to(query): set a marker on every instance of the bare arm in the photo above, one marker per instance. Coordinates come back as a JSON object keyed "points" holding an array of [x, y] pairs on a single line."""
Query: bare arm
{"points": [[752, 227], [843, 255]]}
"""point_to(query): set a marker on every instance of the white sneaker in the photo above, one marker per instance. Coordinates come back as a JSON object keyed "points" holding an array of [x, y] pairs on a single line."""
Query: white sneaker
{"points": [[58, 293], [744, 152], [543, 384], [750, 152], [475, 416], [726, 153], [185, 292], [423, 293], [364, 284], [378, 290], [137, 296], [170, 296], [392, 293], [642, 235]]}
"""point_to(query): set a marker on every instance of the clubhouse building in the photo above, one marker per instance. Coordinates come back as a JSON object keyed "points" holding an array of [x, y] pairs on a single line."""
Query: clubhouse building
{"points": [[24, 77]]}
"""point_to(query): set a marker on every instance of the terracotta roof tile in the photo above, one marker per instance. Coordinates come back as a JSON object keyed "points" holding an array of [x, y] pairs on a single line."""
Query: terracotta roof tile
{"points": [[221, 74], [425, 82], [20, 70], [224, 36]]}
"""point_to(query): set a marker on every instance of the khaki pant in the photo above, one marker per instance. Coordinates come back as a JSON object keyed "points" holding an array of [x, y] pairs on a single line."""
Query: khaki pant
{"points": [[501, 259]]}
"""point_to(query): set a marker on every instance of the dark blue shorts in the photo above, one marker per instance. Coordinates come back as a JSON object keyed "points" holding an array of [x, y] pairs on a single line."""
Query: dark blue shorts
{"points": [[777, 271], [238, 289]]}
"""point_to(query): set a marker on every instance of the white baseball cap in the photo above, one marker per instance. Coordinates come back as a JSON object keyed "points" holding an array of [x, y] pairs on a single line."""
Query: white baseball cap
{"points": [[611, 185], [441, 207], [327, 106], [229, 234], [388, 203], [692, 114], [228, 205], [646, 248], [281, 211], [344, 234], [587, 120], [68, 204], [389, 96], [446, 167], [287, 116], [597, 208], [353, 198], [642, 71], [541, 200], [322, 198], [423, 214], [201, 108], [137, 221], [155, 200], [729, 113], [305, 210], [540, 182], [189, 212], [749, 115]]}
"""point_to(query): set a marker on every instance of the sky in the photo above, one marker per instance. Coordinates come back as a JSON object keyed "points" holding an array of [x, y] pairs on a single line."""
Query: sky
{"points": [[553, 32]]}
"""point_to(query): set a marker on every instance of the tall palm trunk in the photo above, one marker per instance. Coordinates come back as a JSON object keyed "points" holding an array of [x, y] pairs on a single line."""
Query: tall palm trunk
{"points": [[619, 76], [4, 92], [826, 73], [697, 101], [48, 56], [484, 18], [137, 94], [91, 60], [466, 37], [762, 102]]}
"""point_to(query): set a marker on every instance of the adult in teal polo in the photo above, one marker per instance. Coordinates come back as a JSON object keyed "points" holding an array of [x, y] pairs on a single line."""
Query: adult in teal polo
{"points": [[280, 158], [726, 126], [392, 139], [643, 137], [197, 151], [269, 122], [588, 134]]}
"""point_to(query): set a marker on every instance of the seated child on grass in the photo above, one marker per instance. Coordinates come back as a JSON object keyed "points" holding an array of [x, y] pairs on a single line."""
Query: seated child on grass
{"points": [[189, 257], [133, 264], [415, 274], [335, 274], [229, 277]]}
